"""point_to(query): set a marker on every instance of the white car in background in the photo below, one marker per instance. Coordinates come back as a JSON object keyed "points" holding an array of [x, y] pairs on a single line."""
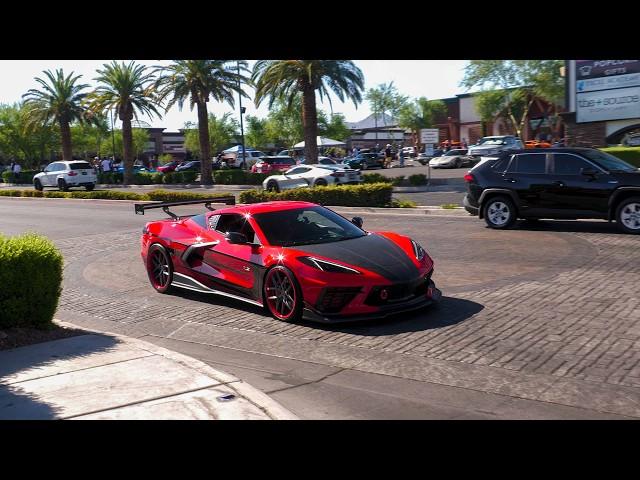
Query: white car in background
{"points": [[312, 176], [65, 175]]}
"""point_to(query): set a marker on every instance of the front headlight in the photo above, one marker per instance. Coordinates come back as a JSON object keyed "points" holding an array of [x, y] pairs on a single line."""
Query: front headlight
{"points": [[326, 266], [418, 251]]}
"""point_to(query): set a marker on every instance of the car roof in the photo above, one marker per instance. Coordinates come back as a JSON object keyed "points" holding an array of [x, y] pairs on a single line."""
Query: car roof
{"points": [[552, 150], [264, 207]]}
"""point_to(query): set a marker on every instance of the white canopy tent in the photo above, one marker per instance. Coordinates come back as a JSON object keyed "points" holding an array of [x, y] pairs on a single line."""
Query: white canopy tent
{"points": [[323, 142], [238, 149]]}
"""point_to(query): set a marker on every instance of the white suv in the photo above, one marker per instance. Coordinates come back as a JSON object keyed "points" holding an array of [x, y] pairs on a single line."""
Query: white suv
{"points": [[65, 175]]}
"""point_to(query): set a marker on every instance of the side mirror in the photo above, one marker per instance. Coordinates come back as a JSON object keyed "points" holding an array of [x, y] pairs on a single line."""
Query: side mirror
{"points": [[357, 221], [236, 238], [589, 172]]}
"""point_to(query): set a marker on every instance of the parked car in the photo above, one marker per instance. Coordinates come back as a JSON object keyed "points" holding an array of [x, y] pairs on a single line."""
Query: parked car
{"points": [[632, 140], [326, 161], [558, 183], [495, 145], [118, 167], [193, 165], [363, 161], [311, 176], [234, 160], [537, 144], [296, 259], [273, 164], [453, 159], [409, 151], [65, 175], [168, 167]]}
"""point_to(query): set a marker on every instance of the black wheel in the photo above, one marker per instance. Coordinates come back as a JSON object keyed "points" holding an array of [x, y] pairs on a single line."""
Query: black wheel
{"points": [[282, 294], [363, 165], [321, 182], [89, 187], [159, 268], [458, 164], [272, 186], [499, 212], [62, 185], [37, 185], [628, 215]]}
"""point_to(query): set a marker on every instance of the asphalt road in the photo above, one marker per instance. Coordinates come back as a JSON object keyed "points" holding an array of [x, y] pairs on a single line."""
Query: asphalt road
{"points": [[519, 334]]}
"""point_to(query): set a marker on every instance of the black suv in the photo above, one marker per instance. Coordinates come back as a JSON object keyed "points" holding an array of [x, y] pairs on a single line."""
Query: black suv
{"points": [[559, 183]]}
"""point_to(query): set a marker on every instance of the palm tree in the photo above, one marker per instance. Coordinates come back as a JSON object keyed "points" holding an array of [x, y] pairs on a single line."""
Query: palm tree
{"points": [[284, 79], [60, 101], [129, 90], [197, 81]]}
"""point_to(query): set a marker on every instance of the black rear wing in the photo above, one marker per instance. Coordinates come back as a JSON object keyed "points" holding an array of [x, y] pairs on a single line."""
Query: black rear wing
{"points": [[141, 207]]}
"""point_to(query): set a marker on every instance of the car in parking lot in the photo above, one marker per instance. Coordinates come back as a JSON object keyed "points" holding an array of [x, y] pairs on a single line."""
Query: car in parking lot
{"points": [[273, 164], [295, 259], [363, 161], [65, 175], [191, 166], [168, 167], [234, 160], [312, 176], [453, 159], [554, 183], [494, 145]]}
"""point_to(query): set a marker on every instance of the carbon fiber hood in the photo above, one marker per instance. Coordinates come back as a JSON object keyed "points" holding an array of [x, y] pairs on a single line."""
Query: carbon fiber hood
{"points": [[372, 252]]}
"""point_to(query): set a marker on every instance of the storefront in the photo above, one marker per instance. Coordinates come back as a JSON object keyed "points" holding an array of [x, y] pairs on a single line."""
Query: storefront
{"points": [[603, 102]]}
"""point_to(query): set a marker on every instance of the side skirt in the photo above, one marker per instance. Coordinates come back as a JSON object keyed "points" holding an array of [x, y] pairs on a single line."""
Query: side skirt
{"points": [[188, 283]]}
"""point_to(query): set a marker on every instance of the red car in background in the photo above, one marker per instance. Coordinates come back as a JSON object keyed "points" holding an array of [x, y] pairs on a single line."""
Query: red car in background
{"points": [[168, 167], [296, 259], [273, 164]]}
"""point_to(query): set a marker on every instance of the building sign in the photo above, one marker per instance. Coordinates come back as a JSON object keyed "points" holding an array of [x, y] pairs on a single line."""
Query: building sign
{"points": [[607, 90], [615, 104], [429, 135]]}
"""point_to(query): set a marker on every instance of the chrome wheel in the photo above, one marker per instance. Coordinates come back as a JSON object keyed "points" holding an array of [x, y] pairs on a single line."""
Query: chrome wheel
{"points": [[498, 213], [630, 216], [280, 293]]}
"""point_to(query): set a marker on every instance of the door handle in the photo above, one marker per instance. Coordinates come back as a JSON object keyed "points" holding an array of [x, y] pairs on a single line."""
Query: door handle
{"points": [[558, 183], [511, 180]]}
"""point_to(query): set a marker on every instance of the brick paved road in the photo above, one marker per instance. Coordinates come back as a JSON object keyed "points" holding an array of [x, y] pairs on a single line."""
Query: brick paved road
{"points": [[547, 313]]}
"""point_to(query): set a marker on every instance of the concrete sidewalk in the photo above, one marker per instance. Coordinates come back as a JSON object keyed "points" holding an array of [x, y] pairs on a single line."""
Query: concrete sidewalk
{"points": [[108, 376]]}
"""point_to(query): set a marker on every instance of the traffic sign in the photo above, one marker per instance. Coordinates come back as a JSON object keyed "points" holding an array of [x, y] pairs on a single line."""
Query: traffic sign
{"points": [[429, 135]]}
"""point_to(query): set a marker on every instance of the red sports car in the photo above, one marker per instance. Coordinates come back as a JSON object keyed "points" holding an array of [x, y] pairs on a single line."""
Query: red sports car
{"points": [[297, 259]]}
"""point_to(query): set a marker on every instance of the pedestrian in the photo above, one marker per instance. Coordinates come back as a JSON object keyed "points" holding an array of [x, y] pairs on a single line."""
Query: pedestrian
{"points": [[106, 165], [387, 156], [15, 171], [401, 156]]}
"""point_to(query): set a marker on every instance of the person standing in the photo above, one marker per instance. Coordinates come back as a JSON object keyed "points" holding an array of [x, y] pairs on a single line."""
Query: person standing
{"points": [[387, 156], [15, 171], [401, 156], [106, 165]]}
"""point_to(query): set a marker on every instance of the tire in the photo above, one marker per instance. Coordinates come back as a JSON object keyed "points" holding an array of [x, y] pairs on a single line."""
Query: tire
{"points": [[159, 268], [89, 187], [628, 215], [363, 166], [62, 185], [37, 185], [321, 182], [279, 307], [499, 212], [458, 164], [272, 186]]}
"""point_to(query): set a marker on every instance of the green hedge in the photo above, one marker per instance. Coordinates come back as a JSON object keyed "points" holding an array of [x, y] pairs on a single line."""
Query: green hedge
{"points": [[375, 178], [26, 176], [369, 195], [628, 154], [238, 177], [418, 179], [31, 279], [153, 195]]}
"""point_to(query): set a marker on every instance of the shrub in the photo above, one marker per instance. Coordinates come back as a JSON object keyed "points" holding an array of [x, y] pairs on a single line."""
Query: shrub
{"points": [[26, 176], [110, 178], [31, 279], [628, 154], [189, 176], [157, 178], [173, 196], [142, 178], [395, 203], [369, 195], [108, 195], [397, 181], [375, 178], [11, 193], [418, 179], [238, 177], [449, 206]]}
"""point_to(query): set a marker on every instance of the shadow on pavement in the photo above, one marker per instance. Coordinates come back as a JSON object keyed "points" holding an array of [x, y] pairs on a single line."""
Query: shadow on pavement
{"points": [[572, 226], [15, 402]]}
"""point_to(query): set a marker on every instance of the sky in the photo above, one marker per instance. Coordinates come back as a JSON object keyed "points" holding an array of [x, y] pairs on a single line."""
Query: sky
{"points": [[416, 78]]}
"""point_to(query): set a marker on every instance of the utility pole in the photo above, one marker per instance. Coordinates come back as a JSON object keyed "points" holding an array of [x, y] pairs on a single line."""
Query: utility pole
{"points": [[113, 136], [242, 110]]}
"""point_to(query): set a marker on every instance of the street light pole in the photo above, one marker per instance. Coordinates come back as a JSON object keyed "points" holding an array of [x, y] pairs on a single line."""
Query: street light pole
{"points": [[113, 136], [244, 161]]}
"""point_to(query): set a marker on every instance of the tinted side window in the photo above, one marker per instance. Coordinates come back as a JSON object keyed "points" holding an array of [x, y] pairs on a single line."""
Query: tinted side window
{"points": [[501, 164], [233, 222], [528, 163], [568, 164]]}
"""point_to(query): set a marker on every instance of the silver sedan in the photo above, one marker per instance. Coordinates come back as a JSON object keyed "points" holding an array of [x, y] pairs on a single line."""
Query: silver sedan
{"points": [[312, 176]]}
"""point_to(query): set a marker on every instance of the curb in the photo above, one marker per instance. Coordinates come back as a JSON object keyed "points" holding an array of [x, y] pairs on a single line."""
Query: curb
{"points": [[270, 407]]}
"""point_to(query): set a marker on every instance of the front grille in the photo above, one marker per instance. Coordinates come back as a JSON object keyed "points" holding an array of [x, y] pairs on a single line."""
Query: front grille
{"points": [[398, 292], [334, 299]]}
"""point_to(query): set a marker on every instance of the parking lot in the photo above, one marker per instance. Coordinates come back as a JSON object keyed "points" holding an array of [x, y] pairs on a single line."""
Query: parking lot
{"points": [[536, 322]]}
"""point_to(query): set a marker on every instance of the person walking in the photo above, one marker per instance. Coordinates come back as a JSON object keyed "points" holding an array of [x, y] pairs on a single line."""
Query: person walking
{"points": [[15, 171], [106, 165], [387, 156]]}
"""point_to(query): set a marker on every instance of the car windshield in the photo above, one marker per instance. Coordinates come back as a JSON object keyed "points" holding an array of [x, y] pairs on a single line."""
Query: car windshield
{"points": [[452, 153], [305, 226], [608, 161], [491, 141]]}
